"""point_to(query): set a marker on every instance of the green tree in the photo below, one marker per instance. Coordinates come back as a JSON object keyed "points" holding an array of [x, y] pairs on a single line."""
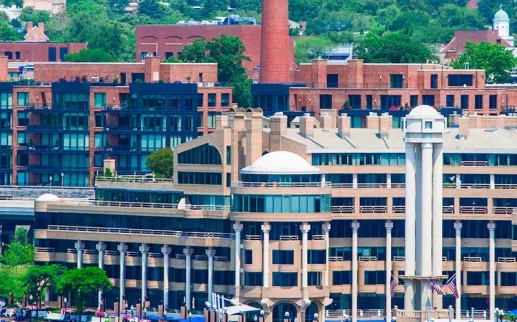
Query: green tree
{"points": [[89, 55], [4, 17], [210, 7], [38, 278], [242, 91], [228, 53], [392, 47], [7, 33], [10, 284], [152, 9], [195, 53], [161, 162], [496, 60], [19, 251], [31, 15], [84, 282], [172, 59], [310, 48], [118, 6]]}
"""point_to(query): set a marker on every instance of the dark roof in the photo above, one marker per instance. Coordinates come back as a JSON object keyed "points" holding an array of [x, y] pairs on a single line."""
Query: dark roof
{"points": [[461, 37]]}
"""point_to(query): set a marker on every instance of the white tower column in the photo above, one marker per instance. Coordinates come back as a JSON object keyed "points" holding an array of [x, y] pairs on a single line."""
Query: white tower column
{"points": [[188, 286], [426, 268], [144, 249], [166, 251], [79, 246], [326, 230], [491, 228], [305, 228], [101, 247], [210, 252], [237, 227], [409, 262], [389, 227], [457, 226], [437, 203], [265, 256], [122, 248], [355, 227]]}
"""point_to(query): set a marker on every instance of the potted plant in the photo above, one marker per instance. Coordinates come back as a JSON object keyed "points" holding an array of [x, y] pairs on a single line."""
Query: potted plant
{"points": [[346, 105], [188, 78], [107, 172], [115, 80], [133, 147], [56, 145]]}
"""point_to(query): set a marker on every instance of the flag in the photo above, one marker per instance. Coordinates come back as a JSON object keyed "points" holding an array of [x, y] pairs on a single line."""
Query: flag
{"points": [[452, 286], [436, 288], [394, 282]]}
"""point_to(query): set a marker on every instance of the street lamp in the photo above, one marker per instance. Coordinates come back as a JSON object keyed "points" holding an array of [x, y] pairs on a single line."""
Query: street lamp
{"points": [[64, 301], [189, 315], [30, 310], [255, 318], [315, 317], [62, 181], [287, 316], [145, 313], [50, 181]]}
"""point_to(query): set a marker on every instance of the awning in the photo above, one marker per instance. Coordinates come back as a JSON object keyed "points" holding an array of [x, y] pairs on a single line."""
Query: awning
{"points": [[241, 308]]}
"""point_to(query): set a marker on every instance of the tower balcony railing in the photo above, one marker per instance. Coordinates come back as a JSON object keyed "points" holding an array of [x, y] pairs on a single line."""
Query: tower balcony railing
{"points": [[399, 258], [506, 259], [474, 163], [335, 258], [399, 209], [472, 259], [242, 184], [136, 204], [372, 185], [134, 179], [373, 209], [342, 185], [505, 210], [448, 209], [144, 232], [473, 210], [475, 186], [343, 209], [367, 258]]}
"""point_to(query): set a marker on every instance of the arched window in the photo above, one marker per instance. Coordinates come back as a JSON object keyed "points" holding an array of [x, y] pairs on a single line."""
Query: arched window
{"points": [[9, 55], [204, 154]]}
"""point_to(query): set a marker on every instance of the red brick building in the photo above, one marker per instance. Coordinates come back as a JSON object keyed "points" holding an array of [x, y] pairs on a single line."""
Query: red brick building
{"points": [[457, 45], [168, 40]]}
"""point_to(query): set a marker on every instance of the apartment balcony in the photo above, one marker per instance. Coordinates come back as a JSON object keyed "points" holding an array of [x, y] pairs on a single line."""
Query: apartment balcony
{"points": [[373, 209], [240, 184], [474, 163]]}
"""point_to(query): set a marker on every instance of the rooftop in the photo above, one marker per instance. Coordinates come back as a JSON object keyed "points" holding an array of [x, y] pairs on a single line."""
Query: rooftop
{"points": [[280, 162]]}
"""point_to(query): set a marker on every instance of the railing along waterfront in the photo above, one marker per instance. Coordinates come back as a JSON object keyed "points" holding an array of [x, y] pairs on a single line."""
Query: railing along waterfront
{"points": [[242, 184], [134, 179], [135, 204], [131, 231]]}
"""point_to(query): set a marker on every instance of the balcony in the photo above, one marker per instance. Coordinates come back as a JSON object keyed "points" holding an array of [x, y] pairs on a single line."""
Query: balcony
{"points": [[373, 209], [129, 204], [473, 210], [505, 186], [372, 185], [342, 185], [474, 163], [342, 209], [133, 179], [241, 184], [505, 210]]}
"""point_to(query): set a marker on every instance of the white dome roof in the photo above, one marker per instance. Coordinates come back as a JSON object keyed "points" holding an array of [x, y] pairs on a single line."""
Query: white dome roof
{"points": [[281, 162], [501, 15], [48, 197], [423, 111]]}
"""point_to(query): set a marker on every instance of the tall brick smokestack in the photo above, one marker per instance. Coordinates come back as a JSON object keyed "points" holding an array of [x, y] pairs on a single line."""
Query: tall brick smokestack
{"points": [[274, 61]]}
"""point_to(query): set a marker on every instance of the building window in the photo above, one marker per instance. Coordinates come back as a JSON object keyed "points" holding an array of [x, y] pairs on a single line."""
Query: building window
{"points": [[284, 257], [413, 100], [313, 278], [253, 279], [428, 100], [428, 125], [169, 54], [23, 119], [492, 104], [369, 102], [23, 99], [355, 101], [464, 102], [449, 101], [17, 55], [99, 119], [211, 100], [211, 120], [317, 256], [285, 279], [396, 81], [460, 80], [374, 277], [248, 257], [203, 154], [100, 99], [325, 101], [200, 100], [225, 99], [478, 102], [332, 80], [207, 178], [341, 277], [434, 81], [228, 155]]}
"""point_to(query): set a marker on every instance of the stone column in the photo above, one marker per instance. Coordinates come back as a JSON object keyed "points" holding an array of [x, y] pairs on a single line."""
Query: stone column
{"points": [[410, 246], [492, 181], [237, 227], [122, 248], [144, 249], [491, 228], [426, 246], [457, 226], [388, 180], [166, 250], [101, 247], [188, 267], [389, 227], [265, 257], [305, 228], [79, 246], [354, 180], [355, 227], [210, 252], [326, 230]]}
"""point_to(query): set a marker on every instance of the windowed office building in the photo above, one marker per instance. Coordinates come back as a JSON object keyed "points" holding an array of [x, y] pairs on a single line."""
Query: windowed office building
{"points": [[297, 220], [59, 131]]}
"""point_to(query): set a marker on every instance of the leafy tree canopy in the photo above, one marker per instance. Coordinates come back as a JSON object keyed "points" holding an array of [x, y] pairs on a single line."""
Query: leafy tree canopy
{"points": [[161, 162], [19, 251], [89, 55], [495, 59], [84, 282], [37, 278], [311, 48], [31, 15], [392, 47]]}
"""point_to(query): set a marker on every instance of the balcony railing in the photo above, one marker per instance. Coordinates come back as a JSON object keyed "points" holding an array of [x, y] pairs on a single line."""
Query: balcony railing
{"points": [[343, 209], [505, 186], [399, 258], [475, 186], [448, 209], [342, 185], [372, 185], [145, 205], [473, 210], [474, 163], [148, 232], [506, 259], [367, 258], [242, 184], [399, 209], [373, 209], [472, 259], [45, 249], [134, 179], [505, 210], [370, 313], [335, 258]]}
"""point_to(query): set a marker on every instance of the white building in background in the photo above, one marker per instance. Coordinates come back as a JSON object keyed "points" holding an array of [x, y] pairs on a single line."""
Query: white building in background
{"points": [[501, 23]]}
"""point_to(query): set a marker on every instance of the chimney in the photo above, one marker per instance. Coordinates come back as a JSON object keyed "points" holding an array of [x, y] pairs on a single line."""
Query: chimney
{"points": [[152, 69], [221, 121], [275, 42], [463, 125], [41, 27], [385, 124], [372, 121], [343, 125], [325, 121], [306, 125], [253, 136], [28, 26], [278, 128]]}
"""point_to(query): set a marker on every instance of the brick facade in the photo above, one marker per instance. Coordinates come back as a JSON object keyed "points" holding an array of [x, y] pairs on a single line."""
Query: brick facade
{"points": [[38, 51]]}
